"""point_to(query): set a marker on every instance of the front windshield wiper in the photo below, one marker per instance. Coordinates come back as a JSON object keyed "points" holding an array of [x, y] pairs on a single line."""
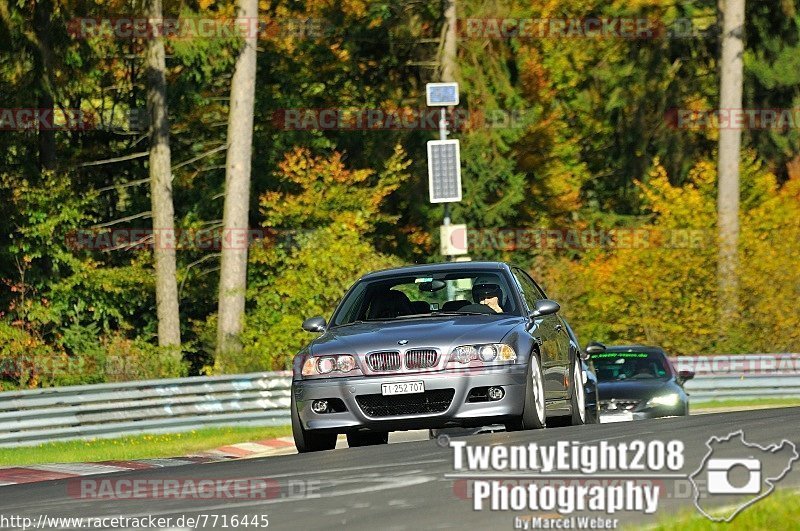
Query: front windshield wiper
{"points": [[423, 315], [465, 313], [347, 324]]}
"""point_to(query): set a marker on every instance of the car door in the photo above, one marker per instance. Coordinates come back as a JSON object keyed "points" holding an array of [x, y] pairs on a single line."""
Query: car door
{"points": [[548, 327]]}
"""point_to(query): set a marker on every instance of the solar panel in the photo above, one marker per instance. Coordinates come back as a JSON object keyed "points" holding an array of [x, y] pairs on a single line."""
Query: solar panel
{"points": [[441, 94], [444, 171]]}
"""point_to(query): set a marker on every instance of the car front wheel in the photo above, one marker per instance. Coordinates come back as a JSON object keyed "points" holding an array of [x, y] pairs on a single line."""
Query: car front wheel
{"points": [[533, 411]]}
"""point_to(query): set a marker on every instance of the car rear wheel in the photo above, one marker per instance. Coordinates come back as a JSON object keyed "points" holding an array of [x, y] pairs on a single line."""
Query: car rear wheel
{"points": [[309, 440], [578, 395], [367, 438], [533, 411]]}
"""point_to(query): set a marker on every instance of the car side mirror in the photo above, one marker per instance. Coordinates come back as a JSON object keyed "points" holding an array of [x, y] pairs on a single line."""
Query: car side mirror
{"points": [[545, 307], [314, 324], [685, 375], [594, 347]]}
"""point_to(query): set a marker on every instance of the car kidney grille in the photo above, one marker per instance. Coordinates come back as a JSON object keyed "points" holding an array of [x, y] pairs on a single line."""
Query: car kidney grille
{"points": [[434, 401], [384, 361], [421, 359]]}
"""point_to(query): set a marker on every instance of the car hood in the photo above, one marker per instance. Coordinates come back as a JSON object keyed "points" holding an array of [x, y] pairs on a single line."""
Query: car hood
{"points": [[438, 332], [636, 388]]}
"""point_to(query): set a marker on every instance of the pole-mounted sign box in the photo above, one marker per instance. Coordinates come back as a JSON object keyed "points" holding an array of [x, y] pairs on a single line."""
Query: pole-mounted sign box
{"points": [[453, 240], [444, 171], [441, 94]]}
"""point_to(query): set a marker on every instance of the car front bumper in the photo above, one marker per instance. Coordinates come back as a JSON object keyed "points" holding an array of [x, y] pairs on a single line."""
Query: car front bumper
{"points": [[459, 412]]}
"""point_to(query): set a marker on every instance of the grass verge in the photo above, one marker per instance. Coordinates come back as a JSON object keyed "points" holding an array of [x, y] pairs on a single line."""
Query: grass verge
{"points": [[758, 402], [779, 510], [138, 446]]}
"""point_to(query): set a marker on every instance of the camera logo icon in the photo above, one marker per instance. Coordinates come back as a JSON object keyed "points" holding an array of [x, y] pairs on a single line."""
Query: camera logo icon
{"points": [[735, 474], [719, 481]]}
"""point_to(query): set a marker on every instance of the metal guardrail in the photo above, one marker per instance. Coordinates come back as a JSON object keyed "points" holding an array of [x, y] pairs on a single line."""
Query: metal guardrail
{"points": [[750, 376], [262, 399], [154, 406]]}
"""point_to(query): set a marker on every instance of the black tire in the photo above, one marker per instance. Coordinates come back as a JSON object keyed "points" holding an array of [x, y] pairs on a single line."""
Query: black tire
{"points": [[533, 414], [309, 440], [593, 413], [367, 438], [577, 395]]}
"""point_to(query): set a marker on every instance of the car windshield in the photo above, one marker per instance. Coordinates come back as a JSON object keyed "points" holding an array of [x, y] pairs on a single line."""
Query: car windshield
{"points": [[427, 295], [617, 366]]}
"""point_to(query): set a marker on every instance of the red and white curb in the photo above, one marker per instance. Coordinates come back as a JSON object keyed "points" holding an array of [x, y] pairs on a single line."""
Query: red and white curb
{"points": [[279, 446], [35, 473]]}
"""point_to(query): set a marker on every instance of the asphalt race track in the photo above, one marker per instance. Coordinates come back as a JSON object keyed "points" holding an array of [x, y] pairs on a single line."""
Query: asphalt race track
{"points": [[403, 485]]}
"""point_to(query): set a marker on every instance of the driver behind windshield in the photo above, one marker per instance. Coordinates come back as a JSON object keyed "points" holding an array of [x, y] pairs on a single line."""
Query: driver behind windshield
{"points": [[488, 295]]}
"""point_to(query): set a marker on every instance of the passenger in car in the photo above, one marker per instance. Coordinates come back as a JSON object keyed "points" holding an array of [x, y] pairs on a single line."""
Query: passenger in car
{"points": [[389, 304]]}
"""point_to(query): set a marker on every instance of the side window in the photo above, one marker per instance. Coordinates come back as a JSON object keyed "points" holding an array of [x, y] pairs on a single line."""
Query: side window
{"points": [[530, 292]]}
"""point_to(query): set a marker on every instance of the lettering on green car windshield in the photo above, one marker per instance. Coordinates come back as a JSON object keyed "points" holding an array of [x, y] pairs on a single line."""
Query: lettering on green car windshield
{"points": [[620, 355]]}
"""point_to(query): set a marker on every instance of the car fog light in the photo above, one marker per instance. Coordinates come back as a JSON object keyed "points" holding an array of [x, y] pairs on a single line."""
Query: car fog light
{"points": [[495, 393], [319, 406]]}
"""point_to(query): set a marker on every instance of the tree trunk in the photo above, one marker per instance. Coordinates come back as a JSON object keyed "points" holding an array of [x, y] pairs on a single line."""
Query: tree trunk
{"points": [[450, 47], [42, 27], [169, 332], [233, 273], [728, 164]]}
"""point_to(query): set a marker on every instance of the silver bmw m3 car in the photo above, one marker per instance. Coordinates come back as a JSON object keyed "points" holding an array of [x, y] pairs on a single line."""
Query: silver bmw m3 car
{"points": [[459, 344]]}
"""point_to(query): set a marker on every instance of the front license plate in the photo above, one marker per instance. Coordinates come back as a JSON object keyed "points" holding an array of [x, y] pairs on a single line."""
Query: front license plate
{"points": [[404, 388], [606, 418]]}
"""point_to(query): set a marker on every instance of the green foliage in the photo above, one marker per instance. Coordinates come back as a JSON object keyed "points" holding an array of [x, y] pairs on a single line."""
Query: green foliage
{"points": [[588, 146], [664, 291], [138, 359], [311, 281], [308, 274]]}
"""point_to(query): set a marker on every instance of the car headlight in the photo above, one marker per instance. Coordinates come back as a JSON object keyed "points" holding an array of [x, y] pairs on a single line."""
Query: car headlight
{"points": [[664, 400], [464, 354], [315, 366], [496, 352]]}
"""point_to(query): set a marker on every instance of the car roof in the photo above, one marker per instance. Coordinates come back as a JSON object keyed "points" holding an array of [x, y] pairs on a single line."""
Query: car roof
{"points": [[635, 348], [436, 267]]}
